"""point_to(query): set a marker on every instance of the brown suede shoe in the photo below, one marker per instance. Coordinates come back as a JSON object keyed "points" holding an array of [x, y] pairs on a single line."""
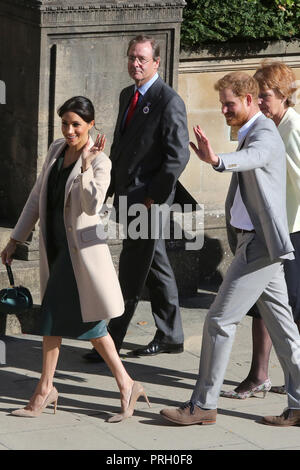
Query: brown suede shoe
{"points": [[289, 417], [189, 414]]}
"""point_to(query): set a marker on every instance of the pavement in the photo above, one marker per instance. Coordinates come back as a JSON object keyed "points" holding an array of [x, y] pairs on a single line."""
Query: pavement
{"points": [[88, 395]]}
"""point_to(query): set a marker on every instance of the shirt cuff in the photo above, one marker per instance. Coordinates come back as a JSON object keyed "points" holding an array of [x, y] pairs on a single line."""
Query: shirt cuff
{"points": [[221, 166]]}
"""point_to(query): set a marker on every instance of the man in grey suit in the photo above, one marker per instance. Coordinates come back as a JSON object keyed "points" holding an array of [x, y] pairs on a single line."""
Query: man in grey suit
{"points": [[150, 150], [258, 234]]}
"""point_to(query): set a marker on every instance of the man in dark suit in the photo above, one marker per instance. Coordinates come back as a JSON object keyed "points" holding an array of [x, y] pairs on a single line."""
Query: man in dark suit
{"points": [[150, 150]]}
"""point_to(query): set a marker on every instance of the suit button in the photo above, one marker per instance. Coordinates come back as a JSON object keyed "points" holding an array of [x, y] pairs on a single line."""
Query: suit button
{"points": [[74, 250], [69, 228]]}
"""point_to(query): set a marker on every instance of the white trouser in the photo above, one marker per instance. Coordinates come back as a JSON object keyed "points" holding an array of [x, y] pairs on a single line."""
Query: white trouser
{"points": [[251, 278]]}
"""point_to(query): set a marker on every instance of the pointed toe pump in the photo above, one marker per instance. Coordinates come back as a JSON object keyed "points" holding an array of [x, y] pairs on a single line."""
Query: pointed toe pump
{"points": [[52, 397], [136, 391]]}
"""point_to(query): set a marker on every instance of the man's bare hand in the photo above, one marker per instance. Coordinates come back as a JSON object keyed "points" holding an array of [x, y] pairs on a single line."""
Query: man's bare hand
{"points": [[204, 150]]}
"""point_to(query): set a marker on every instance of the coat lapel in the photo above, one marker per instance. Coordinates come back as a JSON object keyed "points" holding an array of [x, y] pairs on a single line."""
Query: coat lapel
{"points": [[145, 107], [241, 143], [51, 163], [44, 188], [75, 172], [72, 176], [124, 104]]}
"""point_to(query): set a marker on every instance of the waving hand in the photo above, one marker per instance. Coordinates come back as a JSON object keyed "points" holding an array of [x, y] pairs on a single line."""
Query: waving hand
{"points": [[203, 149]]}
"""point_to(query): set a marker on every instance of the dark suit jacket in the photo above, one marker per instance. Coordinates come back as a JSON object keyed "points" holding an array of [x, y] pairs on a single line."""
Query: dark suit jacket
{"points": [[149, 156]]}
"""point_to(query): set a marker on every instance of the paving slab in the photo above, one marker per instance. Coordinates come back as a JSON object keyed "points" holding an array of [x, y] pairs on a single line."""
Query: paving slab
{"points": [[88, 395]]}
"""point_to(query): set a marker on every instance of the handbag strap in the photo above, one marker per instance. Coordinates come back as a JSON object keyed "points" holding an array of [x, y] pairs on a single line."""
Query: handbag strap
{"points": [[10, 275]]}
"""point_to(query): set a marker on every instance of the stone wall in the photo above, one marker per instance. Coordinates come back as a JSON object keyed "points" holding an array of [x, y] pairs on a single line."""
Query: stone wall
{"points": [[197, 75], [54, 49]]}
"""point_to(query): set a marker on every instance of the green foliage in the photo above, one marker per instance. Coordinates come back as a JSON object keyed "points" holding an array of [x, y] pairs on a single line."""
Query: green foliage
{"points": [[239, 20]]}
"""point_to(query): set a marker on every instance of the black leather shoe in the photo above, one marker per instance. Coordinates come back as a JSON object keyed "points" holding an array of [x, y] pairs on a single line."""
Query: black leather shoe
{"points": [[93, 356], [156, 347]]}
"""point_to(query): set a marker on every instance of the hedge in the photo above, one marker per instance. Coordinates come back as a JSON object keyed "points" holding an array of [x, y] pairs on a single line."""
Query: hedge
{"points": [[217, 21]]}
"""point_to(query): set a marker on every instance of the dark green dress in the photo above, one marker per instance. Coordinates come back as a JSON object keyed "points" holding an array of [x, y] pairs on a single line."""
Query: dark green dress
{"points": [[60, 311]]}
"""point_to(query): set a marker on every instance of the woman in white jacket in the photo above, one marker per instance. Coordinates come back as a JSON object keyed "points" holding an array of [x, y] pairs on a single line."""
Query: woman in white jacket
{"points": [[79, 285]]}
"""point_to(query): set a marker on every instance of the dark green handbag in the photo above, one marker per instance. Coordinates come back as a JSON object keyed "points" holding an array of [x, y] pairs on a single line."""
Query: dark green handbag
{"points": [[14, 299]]}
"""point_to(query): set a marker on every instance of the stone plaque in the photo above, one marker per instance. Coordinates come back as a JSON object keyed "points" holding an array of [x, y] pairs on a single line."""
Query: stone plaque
{"points": [[54, 49], [94, 66]]}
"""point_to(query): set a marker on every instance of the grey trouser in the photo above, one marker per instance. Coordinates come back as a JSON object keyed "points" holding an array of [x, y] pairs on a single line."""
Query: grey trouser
{"points": [[251, 278]]}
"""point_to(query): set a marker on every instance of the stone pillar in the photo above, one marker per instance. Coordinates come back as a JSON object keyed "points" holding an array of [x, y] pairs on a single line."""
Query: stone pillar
{"points": [[54, 49]]}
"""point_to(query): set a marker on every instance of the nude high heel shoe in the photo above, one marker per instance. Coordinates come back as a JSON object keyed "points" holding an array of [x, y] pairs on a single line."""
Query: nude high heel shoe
{"points": [[136, 391], [50, 398]]}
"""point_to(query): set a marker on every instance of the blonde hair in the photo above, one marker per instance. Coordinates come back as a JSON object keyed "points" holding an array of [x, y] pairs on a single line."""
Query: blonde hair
{"points": [[240, 83], [278, 77]]}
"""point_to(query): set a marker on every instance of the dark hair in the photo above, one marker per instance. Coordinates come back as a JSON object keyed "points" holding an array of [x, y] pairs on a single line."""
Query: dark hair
{"points": [[142, 38], [79, 105]]}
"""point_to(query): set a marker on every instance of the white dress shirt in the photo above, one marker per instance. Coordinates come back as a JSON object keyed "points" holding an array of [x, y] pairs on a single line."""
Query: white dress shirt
{"points": [[239, 214]]}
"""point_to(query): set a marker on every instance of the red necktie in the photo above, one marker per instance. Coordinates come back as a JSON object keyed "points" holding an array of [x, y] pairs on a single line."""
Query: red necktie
{"points": [[132, 107]]}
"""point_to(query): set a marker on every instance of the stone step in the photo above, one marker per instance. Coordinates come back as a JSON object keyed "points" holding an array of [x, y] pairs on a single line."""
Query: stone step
{"points": [[25, 322], [26, 273], [215, 256], [192, 270], [4, 236], [28, 251]]}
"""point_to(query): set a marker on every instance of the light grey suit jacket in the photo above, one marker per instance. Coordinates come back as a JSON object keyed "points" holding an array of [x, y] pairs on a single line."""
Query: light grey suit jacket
{"points": [[259, 167]]}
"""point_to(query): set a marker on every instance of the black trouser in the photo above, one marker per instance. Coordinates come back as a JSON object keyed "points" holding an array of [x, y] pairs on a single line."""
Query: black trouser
{"points": [[146, 263]]}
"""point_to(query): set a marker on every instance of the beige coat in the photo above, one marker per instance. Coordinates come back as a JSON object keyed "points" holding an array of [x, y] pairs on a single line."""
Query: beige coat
{"points": [[99, 290]]}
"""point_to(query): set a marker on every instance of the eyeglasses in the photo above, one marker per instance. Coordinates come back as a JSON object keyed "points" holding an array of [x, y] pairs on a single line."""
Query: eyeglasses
{"points": [[140, 60]]}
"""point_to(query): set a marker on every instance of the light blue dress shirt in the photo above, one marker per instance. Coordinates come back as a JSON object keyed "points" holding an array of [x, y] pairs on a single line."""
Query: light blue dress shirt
{"points": [[239, 214], [142, 90]]}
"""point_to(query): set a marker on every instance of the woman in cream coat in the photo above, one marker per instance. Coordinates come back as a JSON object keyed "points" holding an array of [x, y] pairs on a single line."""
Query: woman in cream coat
{"points": [[79, 285]]}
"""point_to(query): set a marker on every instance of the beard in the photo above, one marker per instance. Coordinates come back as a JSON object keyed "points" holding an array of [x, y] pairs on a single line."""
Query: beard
{"points": [[237, 119]]}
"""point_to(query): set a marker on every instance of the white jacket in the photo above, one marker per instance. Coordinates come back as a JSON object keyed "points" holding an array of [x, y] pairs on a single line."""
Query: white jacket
{"points": [[289, 129]]}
